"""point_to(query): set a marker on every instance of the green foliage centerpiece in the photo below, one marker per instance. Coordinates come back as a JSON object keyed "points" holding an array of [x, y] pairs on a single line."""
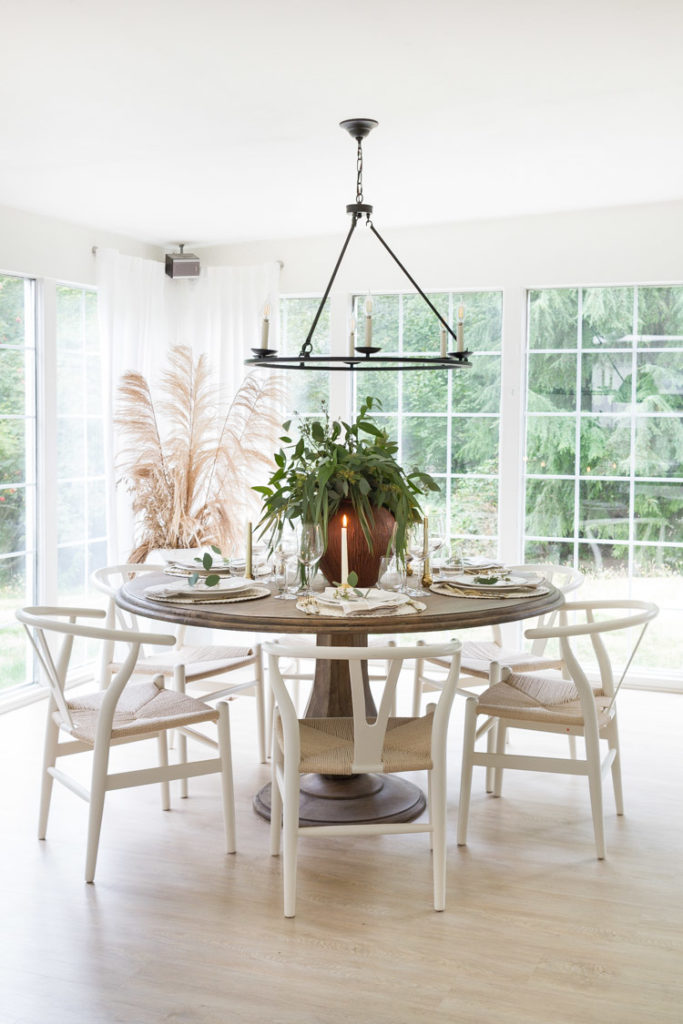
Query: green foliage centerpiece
{"points": [[337, 468]]}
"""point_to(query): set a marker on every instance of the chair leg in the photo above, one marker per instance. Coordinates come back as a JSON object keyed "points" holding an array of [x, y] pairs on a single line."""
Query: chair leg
{"points": [[417, 683], [572, 747], [613, 744], [429, 808], [260, 709], [387, 670], [49, 759], [270, 704], [275, 802], [438, 834], [227, 783], [97, 794], [162, 745], [179, 685], [417, 688], [595, 785], [490, 749], [496, 675], [468, 740], [501, 740], [290, 838]]}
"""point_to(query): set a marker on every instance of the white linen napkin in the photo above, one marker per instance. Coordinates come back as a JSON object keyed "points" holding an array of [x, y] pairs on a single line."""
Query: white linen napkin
{"points": [[232, 587], [373, 601]]}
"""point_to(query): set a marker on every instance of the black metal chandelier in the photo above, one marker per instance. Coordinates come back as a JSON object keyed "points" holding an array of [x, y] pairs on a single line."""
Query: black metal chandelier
{"points": [[364, 357]]}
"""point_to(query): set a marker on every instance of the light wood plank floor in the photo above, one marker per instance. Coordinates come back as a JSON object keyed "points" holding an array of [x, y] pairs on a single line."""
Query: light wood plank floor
{"points": [[536, 929]]}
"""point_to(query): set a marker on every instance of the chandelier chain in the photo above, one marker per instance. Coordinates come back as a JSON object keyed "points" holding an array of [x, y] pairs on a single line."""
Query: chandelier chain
{"points": [[359, 170]]}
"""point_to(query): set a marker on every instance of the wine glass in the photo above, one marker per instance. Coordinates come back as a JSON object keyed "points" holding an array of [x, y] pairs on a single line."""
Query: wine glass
{"points": [[415, 548], [436, 533], [310, 552]]}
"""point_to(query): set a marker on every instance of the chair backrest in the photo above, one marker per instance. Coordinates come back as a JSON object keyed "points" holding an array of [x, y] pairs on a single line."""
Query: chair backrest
{"points": [[109, 580], [584, 623], [41, 622], [565, 578], [368, 735]]}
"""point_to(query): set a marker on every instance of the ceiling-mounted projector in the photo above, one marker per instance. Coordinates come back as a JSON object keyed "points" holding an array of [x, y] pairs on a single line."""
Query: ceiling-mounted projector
{"points": [[182, 264]]}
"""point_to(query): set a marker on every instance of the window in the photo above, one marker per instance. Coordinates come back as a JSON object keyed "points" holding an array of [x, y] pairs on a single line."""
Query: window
{"points": [[446, 422], [604, 446], [81, 507], [52, 519], [305, 391], [17, 474]]}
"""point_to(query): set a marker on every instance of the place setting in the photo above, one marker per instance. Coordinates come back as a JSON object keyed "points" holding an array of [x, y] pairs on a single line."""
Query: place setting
{"points": [[347, 599], [210, 578], [491, 583]]}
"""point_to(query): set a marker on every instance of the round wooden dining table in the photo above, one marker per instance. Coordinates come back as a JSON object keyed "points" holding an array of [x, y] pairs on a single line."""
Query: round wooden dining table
{"points": [[336, 799]]}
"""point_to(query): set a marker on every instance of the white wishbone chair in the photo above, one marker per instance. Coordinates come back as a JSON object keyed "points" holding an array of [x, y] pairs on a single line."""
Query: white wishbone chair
{"points": [[185, 666], [119, 714], [547, 702], [345, 746], [478, 655]]}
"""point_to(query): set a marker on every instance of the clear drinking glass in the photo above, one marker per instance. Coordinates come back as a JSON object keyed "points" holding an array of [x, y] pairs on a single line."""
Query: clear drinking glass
{"points": [[284, 572], [384, 572], [310, 552]]}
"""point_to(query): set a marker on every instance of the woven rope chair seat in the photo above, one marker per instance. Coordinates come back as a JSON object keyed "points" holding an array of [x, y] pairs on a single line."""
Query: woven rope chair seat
{"points": [[477, 657], [142, 708], [540, 698], [198, 661], [327, 745]]}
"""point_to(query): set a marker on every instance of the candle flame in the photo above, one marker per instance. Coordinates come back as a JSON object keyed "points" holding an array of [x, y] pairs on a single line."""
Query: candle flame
{"points": [[368, 305], [353, 324], [344, 521], [266, 311], [461, 312]]}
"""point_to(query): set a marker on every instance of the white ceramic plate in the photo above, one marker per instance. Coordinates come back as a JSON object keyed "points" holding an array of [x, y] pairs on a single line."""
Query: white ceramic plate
{"points": [[510, 582]]}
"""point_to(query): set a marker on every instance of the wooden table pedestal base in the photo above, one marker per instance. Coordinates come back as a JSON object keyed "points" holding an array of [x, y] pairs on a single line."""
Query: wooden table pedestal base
{"points": [[335, 800]]}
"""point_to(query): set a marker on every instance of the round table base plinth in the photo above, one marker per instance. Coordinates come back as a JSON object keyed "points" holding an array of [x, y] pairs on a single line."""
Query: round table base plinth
{"points": [[361, 799]]}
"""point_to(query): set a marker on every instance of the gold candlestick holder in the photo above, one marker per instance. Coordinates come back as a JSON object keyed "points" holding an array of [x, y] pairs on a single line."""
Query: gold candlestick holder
{"points": [[248, 568], [426, 569]]}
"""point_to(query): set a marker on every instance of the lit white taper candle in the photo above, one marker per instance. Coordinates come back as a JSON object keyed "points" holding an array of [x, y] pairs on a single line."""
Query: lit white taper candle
{"points": [[444, 352], [344, 553], [352, 336]]}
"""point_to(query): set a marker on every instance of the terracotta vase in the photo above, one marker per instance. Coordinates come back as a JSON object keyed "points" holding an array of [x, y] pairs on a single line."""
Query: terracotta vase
{"points": [[361, 561]]}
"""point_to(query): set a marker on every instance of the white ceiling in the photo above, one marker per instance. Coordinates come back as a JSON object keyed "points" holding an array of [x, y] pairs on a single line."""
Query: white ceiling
{"points": [[206, 121]]}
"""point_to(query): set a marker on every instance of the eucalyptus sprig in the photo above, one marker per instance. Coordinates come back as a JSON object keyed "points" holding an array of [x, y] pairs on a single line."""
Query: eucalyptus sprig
{"points": [[333, 461], [206, 561]]}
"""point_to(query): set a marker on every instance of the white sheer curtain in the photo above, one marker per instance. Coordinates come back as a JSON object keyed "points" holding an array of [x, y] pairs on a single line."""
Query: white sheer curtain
{"points": [[143, 314]]}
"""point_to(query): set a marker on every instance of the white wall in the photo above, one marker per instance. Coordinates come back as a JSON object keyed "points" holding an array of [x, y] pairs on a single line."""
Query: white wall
{"points": [[43, 247], [635, 244]]}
